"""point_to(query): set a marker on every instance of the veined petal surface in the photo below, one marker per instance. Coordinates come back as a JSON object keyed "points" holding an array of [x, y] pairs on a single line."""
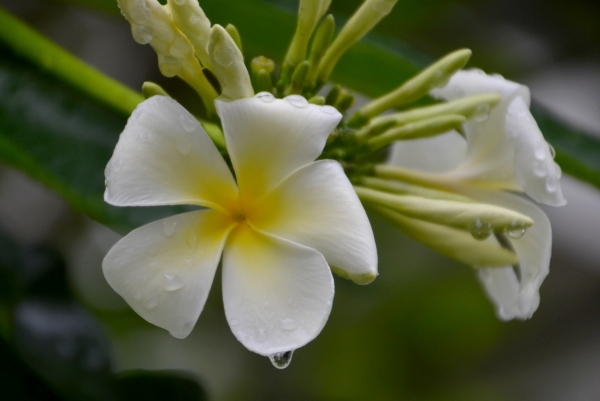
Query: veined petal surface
{"points": [[317, 207], [438, 154], [506, 149], [165, 157], [164, 270], [516, 297], [535, 168], [277, 294], [269, 138]]}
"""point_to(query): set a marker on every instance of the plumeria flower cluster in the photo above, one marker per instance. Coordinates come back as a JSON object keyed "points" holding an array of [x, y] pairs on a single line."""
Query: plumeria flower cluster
{"points": [[279, 177]]}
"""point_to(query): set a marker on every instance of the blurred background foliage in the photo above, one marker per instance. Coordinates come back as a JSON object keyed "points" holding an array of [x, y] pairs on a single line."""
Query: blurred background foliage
{"points": [[422, 331]]}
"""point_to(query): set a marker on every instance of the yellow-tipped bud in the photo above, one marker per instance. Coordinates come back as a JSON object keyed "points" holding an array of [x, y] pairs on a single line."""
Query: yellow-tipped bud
{"points": [[363, 20], [420, 129], [333, 95], [480, 219], [321, 42], [467, 107], [309, 13], [433, 76], [263, 82], [403, 188], [318, 100], [345, 101], [235, 35], [262, 63], [298, 79], [453, 243], [150, 89], [361, 279], [228, 65]]}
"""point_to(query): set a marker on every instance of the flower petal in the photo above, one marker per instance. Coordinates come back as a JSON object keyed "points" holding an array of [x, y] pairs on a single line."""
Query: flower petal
{"points": [[438, 154], [165, 157], [514, 297], [269, 138], [535, 168], [476, 82], [165, 269], [277, 294], [317, 207]]}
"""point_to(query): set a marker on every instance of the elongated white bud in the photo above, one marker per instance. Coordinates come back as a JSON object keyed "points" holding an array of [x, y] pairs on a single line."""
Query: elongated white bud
{"points": [[191, 20], [152, 24], [455, 244], [228, 65]]}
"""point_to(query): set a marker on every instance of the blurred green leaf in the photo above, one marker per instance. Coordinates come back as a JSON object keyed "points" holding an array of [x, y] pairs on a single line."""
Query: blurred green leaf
{"points": [[576, 152], [18, 382], [62, 138], [158, 386]]}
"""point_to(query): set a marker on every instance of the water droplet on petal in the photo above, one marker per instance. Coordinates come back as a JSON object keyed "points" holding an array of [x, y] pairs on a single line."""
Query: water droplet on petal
{"points": [[539, 151], [180, 2], [262, 336], [192, 239], [552, 151], [117, 164], [194, 19], [265, 97], [173, 283], [179, 48], [297, 100], [557, 171], [169, 227], [189, 123], [482, 112], [288, 324], [223, 56], [169, 66], [551, 183], [182, 145], [281, 360], [479, 229], [329, 110], [516, 229], [141, 34], [539, 169], [151, 302], [108, 170]]}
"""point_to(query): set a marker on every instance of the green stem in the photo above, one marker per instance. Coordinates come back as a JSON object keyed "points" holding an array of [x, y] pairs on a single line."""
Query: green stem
{"points": [[28, 43]]}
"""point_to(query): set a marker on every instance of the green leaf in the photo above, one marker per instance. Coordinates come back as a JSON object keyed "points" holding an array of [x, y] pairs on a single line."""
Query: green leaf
{"points": [[577, 153], [61, 137]]}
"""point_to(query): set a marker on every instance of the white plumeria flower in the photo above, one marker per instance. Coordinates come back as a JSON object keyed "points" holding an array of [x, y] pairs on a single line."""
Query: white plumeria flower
{"points": [[504, 149], [278, 227]]}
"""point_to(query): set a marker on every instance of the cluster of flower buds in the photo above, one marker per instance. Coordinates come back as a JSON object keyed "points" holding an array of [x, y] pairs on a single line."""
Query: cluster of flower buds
{"points": [[451, 161]]}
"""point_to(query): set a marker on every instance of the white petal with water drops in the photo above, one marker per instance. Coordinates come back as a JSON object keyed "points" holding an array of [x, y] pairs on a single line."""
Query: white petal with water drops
{"points": [[316, 206], [147, 167], [268, 281], [163, 278], [518, 297], [269, 140]]}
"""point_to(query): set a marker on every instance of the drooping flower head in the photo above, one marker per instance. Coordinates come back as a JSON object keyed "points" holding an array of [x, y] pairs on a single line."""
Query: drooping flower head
{"points": [[502, 149]]}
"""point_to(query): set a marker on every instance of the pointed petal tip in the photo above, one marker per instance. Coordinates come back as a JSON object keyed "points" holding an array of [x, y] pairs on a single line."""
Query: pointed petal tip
{"points": [[365, 278]]}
